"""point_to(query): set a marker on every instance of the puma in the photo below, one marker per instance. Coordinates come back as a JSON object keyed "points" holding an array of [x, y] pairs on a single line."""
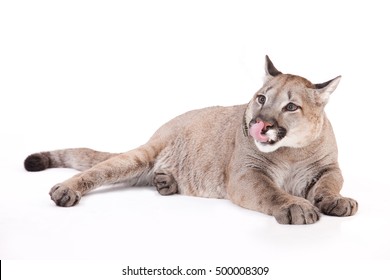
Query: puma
{"points": [[276, 155]]}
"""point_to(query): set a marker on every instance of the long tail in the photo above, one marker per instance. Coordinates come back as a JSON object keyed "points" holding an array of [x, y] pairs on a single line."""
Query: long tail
{"points": [[79, 159]]}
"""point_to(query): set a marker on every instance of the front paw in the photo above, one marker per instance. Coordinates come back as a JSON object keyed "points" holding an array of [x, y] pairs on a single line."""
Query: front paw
{"points": [[337, 206], [64, 196], [298, 213]]}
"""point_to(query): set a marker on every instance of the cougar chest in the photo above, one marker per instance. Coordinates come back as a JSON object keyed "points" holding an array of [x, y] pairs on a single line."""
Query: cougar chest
{"points": [[295, 178]]}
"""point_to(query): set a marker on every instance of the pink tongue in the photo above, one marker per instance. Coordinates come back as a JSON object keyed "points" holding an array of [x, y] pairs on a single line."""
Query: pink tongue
{"points": [[255, 132]]}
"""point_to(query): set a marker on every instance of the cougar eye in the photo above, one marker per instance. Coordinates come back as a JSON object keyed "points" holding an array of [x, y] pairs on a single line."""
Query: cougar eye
{"points": [[261, 99], [291, 107]]}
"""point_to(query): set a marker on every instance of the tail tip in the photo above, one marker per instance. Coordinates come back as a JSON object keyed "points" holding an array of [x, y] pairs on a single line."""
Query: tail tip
{"points": [[37, 162]]}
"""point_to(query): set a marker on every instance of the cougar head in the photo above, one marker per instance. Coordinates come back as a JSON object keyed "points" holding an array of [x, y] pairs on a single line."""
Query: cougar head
{"points": [[288, 111]]}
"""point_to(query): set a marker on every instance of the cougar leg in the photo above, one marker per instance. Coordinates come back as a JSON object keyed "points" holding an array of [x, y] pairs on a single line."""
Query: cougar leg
{"points": [[115, 169], [253, 190], [325, 194]]}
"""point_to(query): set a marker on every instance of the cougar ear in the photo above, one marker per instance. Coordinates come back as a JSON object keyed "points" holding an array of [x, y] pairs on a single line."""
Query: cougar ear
{"points": [[324, 90], [270, 69]]}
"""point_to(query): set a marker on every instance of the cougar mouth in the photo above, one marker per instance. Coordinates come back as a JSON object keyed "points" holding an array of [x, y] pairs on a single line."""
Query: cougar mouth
{"points": [[266, 133]]}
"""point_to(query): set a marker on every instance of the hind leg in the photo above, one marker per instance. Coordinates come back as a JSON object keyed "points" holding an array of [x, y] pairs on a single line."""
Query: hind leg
{"points": [[114, 170], [165, 182]]}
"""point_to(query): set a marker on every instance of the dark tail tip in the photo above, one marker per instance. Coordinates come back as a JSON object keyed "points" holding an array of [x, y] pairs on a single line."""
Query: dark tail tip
{"points": [[37, 162]]}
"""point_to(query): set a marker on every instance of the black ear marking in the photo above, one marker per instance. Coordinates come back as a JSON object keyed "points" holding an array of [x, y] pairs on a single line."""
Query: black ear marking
{"points": [[323, 85], [270, 69]]}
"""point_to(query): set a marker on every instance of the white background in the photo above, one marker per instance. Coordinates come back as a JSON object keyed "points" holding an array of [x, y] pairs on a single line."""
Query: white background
{"points": [[107, 74]]}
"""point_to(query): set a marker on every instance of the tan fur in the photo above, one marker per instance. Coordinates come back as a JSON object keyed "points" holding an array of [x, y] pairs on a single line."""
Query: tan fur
{"points": [[210, 153]]}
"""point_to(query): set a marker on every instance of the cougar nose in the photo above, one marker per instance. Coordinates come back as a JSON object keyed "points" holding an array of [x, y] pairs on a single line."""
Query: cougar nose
{"points": [[266, 127]]}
